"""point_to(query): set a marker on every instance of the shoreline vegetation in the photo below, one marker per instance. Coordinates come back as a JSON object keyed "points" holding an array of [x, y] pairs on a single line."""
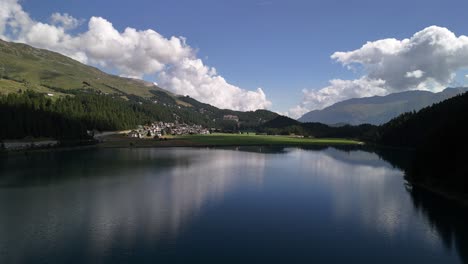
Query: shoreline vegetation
{"points": [[121, 140]]}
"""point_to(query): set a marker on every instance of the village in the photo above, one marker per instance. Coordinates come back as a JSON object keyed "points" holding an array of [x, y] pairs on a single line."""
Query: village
{"points": [[156, 130], [162, 129]]}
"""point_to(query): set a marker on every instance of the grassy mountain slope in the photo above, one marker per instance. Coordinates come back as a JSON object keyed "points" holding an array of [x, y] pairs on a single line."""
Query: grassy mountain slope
{"points": [[23, 67], [377, 109]]}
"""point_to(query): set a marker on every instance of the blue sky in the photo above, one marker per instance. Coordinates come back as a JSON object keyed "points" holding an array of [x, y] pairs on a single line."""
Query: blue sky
{"points": [[281, 46]]}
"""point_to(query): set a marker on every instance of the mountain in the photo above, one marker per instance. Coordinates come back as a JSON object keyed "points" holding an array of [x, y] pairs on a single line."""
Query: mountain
{"points": [[438, 136], [50, 74], [24, 67], [377, 110], [281, 121], [429, 125]]}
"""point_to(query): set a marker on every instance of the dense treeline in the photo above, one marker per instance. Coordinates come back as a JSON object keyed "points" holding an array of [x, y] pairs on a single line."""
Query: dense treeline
{"points": [[248, 120], [438, 134], [283, 125], [33, 114], [161, 107], [70, 117], [364, 132], [414, 129]]}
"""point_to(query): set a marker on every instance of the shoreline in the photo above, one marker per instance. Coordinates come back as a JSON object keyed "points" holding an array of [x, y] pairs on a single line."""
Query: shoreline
{"points": [[118, 141], [183, 143], [179, 144], [459, 198], [222, 140], [51, 149]]}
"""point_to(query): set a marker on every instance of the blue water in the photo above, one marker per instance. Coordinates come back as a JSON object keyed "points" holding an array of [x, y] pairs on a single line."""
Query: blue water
{"points": [[247, 205]]}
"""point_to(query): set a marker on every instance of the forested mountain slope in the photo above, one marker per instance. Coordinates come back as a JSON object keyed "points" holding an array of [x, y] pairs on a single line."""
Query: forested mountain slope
{"points": [[96, 99], [438, 135]]}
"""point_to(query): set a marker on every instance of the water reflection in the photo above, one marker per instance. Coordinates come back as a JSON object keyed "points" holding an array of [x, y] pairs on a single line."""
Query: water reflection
{"points": [[129, 196], [160, 204], [367, 187], [447, 218]]}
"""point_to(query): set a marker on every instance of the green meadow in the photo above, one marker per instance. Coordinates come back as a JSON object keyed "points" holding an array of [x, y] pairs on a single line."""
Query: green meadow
{"points": [[252, 139]]}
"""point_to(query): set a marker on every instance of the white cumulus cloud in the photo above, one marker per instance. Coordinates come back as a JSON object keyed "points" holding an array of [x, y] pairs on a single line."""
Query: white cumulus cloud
{"points": [[426, 61], [65, 20], [132, 53], [415, 74], [192, 77]]}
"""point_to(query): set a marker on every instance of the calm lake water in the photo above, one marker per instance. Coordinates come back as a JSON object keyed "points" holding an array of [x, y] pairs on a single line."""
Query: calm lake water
{"points": [[244, 205]]}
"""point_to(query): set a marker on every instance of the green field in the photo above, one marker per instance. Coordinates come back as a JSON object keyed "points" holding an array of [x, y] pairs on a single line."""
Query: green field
{"points": [[252, 140], [122, 141]]}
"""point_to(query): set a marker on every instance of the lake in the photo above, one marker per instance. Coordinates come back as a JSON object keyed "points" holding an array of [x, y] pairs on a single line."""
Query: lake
{"points": [[233, 205]]}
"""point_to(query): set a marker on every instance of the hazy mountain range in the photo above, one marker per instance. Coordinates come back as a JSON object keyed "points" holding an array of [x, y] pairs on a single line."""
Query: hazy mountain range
{"points": [[377, 109]]}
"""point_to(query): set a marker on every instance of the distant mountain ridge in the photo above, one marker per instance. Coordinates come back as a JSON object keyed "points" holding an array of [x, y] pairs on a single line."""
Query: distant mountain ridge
{"points": [[377, 110]]}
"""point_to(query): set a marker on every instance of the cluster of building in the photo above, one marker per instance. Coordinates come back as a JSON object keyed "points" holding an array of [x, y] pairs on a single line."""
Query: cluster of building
{"points": [[160, 129]]}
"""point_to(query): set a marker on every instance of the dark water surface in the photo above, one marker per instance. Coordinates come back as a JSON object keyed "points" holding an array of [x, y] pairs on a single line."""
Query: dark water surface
{"points": [[250, 205]]}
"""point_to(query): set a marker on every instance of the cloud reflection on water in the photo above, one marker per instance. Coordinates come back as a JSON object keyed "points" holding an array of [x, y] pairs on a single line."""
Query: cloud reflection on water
{"points": [[90, 205], [363, 185], [130, 206]]}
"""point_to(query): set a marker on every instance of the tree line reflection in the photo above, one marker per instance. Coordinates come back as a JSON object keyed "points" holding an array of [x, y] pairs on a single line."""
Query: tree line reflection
{"points": [[109, 200]]}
